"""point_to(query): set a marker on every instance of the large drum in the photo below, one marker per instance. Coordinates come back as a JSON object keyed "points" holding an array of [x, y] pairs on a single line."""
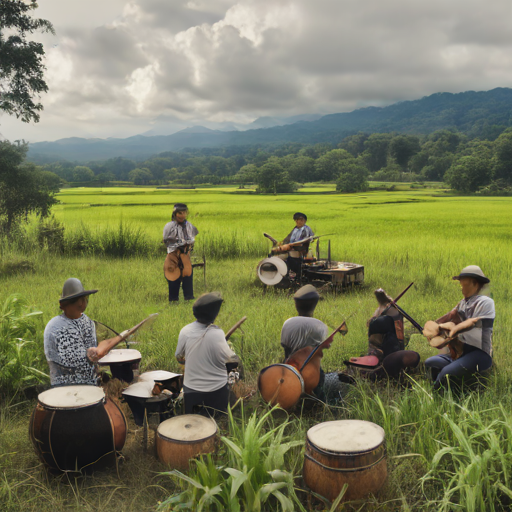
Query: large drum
{"points": [[77, 429], [342, 452], [281, 384], [123, 363], [182, 438]]}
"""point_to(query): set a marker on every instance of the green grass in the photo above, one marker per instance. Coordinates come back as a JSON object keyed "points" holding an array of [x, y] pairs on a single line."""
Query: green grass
{"points": [[414, 235]]}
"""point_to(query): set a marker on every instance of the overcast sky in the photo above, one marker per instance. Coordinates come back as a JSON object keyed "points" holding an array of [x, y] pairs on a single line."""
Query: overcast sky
{"points": [[117, 67]]}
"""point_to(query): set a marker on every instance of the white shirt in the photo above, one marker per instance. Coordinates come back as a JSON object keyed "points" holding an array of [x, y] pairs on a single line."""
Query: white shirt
{"points": [[206, 353]]}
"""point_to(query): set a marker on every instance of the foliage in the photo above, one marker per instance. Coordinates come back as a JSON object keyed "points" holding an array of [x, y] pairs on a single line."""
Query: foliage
{"points": [[83, 173], [140, 176], [469, 173], [272, 178], [21, 60], [254, 475], [353, 178], [50, 234], [18, 352], [502, 158]]}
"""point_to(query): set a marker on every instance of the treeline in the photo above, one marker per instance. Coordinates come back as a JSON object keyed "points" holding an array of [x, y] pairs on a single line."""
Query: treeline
{"points": [[466, 165]]}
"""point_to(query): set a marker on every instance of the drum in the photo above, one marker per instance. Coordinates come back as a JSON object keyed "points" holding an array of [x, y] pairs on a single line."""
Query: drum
{"points": [[281, 384], [123, 363], [171, 381], [182, 438], [77, 429], [271, 270], [140, 398], [342, 452]]}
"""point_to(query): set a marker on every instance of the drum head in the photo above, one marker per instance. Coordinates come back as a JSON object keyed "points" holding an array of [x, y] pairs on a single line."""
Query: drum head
{"points": [[280, 384], [71, 397], [346, 436], [271, 270], [124, 355], [187, 428], [140, 390], [158, 376]]}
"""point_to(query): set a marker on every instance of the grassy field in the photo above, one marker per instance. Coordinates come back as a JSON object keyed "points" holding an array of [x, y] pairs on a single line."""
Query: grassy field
{"points": [[414, 235]]}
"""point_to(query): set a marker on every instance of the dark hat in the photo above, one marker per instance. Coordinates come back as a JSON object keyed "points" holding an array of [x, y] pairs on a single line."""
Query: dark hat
{"points": [[307, 292], [207, 307], [298, 215], [473, 271], [73, 289], [180, 207]]}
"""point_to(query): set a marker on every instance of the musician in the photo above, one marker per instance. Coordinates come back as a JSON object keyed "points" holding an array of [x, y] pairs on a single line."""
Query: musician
{"points": [[179, 237], [203, 349], [70, 342], [471, 349], [304, 330], [296, 253]]}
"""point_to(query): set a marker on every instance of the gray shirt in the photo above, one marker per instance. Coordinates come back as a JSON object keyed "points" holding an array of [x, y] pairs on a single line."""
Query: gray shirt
{"points": [[298, 234], [178, 235], [302, 331], [65, 345], [480, 336], [206, 352]]}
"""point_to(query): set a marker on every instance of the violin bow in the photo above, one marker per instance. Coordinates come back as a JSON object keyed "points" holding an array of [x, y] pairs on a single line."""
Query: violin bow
{"points": [[343, 329], [393, 302]]}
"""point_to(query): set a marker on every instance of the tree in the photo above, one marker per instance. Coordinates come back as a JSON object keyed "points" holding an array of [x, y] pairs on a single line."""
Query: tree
{"points": [[502, 159], [301, 169], [353, 178], [105, 177], [83, 173], [402, 148], [24, 188], [21, 61], [272, 178], [328, 166], [376, 151], [141, 176], [469, 173], [246, 174], [354, 144]]}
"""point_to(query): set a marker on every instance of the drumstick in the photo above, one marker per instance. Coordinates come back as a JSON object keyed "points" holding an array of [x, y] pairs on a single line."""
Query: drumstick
{"points": [[146, 322], [235, 327]]}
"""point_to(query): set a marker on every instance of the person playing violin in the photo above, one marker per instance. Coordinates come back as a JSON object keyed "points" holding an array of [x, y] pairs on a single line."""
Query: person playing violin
{"points": [[470, 325], [304, 330]]}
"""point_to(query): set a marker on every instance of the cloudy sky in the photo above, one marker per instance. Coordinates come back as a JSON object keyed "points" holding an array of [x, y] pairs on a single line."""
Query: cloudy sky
{"points": [[117, 68]]}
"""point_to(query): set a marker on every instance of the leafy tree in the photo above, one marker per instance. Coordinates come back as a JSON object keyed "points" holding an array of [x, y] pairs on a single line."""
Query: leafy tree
{"points": [[469, 173], [376, 151], [272, 178], [328, 166], [21, 60], [301, 169], [24, 189], [402, 148], [105, 177], [82, 173], [353, 178], [141, 176], [246, 174], [354, 144], [502, 159], [120, 167]]}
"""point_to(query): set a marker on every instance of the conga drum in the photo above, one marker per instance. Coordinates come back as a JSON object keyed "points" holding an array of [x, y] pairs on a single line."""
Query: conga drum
{"points": [[77, 429], [182, 438], [342, 452], [123, 363], [281, 384]]}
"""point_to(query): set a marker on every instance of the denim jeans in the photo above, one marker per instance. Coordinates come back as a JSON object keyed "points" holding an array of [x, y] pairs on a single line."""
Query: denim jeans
{"points": [[188, 288]]}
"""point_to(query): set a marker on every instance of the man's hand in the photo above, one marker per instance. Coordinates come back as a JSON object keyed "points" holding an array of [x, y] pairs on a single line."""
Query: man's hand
{"points": [[93, 355]]}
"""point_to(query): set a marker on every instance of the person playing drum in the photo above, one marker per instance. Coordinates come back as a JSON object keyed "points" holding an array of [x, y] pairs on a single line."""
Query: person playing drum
{"points": [[469, 326], [179, 237], [203, 349], [70, 342], [304, 330], [301, 231]]}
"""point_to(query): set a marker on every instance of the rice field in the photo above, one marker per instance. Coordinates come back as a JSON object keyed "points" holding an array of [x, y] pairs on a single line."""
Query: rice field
{"points": [[425, 236]]}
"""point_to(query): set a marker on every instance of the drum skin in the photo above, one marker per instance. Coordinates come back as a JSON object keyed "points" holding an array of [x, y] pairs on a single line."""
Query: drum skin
{"points": [[78, 440], [281, 384], [176, 453], [326, 472]]}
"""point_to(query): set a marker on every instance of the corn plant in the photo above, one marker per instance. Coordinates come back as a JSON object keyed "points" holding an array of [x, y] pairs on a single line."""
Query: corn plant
{"points": [[18, 353]]}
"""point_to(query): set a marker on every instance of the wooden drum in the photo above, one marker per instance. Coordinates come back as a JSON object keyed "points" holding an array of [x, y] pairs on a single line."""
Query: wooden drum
{"points": [[124, 363], [182, 438], [342, 452], [77, 429], [281, 384]]}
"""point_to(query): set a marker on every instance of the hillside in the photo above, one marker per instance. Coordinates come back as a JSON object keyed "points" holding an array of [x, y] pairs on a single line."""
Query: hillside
{"points": [[478, 114]]}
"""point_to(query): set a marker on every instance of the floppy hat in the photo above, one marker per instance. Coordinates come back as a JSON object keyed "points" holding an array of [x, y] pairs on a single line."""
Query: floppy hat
{"points": [[73, 289], [207, 307], [473, 271]]}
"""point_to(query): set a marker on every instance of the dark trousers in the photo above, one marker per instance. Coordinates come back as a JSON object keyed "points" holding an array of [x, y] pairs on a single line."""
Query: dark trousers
{"points": [[188, 288], [209, 404], [295, 265]]}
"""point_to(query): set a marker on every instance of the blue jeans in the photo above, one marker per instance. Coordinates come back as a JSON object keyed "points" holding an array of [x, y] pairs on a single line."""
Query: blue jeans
{"points": [[472, 360]]}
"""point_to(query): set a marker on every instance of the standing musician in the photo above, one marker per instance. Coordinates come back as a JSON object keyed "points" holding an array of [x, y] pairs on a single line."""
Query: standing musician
{"points": [[296, 253], [203, 349], [304, 330], [471, 344], [179, 237], [70, 343]]}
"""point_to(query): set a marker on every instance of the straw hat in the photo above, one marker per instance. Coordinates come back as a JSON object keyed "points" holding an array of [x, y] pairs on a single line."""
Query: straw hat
{"points": [[473, 271]]}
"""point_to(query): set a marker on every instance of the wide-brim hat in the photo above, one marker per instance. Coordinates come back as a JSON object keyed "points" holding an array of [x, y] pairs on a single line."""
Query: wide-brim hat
{"points": [[473, 271], [73, 289]]}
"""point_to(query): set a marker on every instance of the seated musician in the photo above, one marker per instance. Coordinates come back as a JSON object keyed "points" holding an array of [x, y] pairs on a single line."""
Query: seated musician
{"points": [[296, 253], [304, 330], [471, 349], [203, 349], [70, 343]]}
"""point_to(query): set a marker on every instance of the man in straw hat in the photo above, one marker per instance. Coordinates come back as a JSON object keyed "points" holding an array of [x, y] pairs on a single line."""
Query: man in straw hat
{"points": [[179, 237], [203, 349], [304, 330], [70, 342], [467, 329]]}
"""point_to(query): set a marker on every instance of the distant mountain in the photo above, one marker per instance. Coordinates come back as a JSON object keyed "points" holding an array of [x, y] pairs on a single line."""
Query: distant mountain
{"points": [[474, 113]]}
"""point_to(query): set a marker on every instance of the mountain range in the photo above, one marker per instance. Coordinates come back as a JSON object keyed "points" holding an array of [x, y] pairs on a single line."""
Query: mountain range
{"points": [[477, 114]]}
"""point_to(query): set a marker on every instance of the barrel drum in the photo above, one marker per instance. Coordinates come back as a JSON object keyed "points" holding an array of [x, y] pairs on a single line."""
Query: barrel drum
{"points": [[343, 452], [281, 384], [77, 429], [182, 438]]}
